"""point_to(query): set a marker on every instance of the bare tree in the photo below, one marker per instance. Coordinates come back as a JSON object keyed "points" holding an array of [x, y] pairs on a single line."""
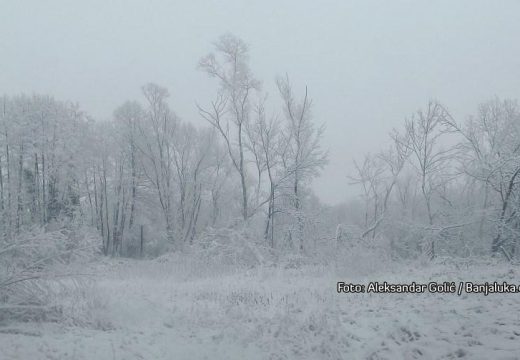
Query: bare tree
{"points": [[191, 151], [378, 175], [129, 117], [157, 136], [266, 145], [230, 111], [491, 155], [304, 157], [423, 134]]}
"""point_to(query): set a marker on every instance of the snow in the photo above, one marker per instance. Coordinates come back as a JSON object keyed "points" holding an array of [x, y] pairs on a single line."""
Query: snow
{"points": [[172, 310]]}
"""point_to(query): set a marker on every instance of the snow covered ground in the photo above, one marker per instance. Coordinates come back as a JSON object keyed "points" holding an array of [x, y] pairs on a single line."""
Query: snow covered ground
{"points": [[161, 309]]}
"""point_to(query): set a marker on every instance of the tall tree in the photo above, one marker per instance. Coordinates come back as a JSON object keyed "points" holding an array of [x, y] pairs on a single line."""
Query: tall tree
{"points": [[304, 155], [230, 111], [157, 134]]}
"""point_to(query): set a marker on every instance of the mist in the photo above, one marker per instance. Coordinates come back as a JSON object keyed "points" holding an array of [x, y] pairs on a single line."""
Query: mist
{"points": [[368, 66], [268, 180]]}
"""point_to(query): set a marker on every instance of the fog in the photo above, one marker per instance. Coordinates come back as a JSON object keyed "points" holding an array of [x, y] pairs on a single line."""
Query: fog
{"points": [[367, 65], [259, 180]]}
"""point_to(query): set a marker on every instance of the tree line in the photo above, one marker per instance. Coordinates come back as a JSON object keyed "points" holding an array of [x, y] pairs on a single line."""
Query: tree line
{"points": [[442, 187], [445, 186], [147, 167]]}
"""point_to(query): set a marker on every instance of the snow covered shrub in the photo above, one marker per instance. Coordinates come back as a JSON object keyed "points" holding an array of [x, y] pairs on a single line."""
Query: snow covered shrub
{"points": [[32, 263], [362, 255], [235, 246], [414, 241], [294, 261], [82, 304]]}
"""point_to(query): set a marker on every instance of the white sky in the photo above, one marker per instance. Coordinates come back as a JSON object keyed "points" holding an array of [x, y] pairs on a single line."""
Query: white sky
{"points": [[368, 64]]}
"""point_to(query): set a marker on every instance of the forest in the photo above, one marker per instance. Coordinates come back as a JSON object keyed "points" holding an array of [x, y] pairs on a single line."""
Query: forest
{"points": [[149, 192], [441, 187]]}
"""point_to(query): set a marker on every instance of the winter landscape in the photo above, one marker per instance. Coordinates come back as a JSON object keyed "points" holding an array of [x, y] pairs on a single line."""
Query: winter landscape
{"points": [[259, 181]]}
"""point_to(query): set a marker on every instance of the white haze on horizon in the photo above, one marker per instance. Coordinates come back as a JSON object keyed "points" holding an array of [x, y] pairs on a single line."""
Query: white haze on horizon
{"points": [[367, 65]]}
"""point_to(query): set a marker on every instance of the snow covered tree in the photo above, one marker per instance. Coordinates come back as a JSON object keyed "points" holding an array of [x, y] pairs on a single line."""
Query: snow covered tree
{"points": [[491, 155], [230, 112], [303, 155]]}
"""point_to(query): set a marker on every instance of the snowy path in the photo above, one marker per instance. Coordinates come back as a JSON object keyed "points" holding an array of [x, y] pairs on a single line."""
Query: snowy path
{"points": [[150, 312]]}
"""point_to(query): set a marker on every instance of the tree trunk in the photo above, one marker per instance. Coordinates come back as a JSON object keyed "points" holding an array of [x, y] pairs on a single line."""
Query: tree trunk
{"points": [[142, 241], [134, 187], [19, 208], [297, 207], [242, 173], [44, 194]]}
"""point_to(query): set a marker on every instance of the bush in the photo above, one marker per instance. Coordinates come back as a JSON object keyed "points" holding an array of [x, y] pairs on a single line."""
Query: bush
{"points": [[364, 256], [235, 246], [32, 266]]}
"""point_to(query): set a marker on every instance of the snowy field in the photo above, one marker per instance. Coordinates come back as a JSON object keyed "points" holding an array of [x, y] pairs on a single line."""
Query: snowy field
{"points": [[161, 309]]}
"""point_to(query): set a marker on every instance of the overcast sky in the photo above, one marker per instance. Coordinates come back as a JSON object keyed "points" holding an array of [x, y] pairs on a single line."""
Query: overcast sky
{"points": [[368, 64]]}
